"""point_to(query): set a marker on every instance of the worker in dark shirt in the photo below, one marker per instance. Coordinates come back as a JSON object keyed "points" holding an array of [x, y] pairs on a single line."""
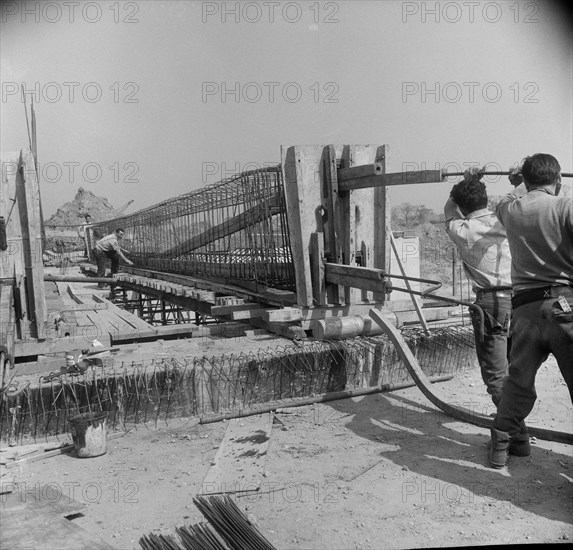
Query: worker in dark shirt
{"points": [[539, 227]]}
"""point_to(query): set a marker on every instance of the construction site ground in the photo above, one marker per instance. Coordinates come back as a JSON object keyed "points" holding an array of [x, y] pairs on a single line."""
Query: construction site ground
{"points": [[379, 471]]}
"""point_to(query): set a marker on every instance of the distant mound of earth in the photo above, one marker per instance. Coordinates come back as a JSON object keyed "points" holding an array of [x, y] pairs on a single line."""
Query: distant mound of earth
{"points": [[85, 202]]}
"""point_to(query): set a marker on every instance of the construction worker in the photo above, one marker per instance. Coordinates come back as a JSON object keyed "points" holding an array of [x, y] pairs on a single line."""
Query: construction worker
{"points": [[539, 226], [83, 233], [109, 248], [482, 243]]}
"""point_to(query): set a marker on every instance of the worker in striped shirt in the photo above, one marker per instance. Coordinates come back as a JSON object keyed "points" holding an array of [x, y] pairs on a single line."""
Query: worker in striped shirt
{"points": [[482, 243]]}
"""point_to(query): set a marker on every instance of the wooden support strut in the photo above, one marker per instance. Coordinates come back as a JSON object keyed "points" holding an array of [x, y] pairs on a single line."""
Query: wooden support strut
{"points": [[366, 278], [371, 175]]}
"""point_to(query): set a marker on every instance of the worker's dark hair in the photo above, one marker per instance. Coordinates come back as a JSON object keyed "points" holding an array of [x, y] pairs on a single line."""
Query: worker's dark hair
{"points": [[540, 169], [120, 229], [469, 195]]}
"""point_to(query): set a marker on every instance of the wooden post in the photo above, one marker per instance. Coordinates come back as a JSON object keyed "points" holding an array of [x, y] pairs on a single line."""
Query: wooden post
{"points": [[382, 221], [29, 205], [354, 220], [317, 268], [301, 165], [334, 226], [366, 211], [12, 260]]}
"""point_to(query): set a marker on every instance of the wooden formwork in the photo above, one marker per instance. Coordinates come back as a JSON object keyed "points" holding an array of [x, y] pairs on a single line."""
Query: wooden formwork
{"points": [[21, 265]]}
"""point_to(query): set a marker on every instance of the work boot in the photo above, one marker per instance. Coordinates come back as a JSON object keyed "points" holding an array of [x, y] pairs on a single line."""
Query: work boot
{"points": [[519, 444], [499, 448]]}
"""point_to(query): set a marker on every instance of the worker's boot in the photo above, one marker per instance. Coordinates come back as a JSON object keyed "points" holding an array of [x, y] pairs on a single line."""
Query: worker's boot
{"points": [[499, 448], [519, 444]]}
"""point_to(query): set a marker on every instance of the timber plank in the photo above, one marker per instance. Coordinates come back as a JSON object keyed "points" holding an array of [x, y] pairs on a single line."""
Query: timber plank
{"points": [[239, 465], [7, 326], [34, 520], [285, 315], [28, 196], [75, 342]]}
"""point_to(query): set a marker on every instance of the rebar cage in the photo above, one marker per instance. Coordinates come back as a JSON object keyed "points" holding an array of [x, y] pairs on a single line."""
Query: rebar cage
{"points": [[234, 231]]}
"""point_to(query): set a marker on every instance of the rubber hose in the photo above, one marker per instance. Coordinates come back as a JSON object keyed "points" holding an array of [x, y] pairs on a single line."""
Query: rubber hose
{"points": [[432, 394]]}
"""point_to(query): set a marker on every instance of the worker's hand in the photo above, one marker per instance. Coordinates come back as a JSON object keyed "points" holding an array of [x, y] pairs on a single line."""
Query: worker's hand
{"points": [[474, 173], [515, 177], [129, 262]]}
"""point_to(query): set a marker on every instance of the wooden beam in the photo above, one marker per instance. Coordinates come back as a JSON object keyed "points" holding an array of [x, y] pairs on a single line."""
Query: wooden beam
{"points": [[300, 165], [28, 196], [358, 172], [334, 226], [284, 315], [254, 215], [7, 330], [316, 252], [348, 181], [228, 310], [382, 208], [357, 277], [75, 342]]}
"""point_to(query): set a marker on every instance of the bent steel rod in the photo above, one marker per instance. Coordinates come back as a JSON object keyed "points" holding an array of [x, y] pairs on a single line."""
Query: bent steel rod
{"points": [[471, 306], [72, 279], [372, 175], [322, 398], [450, 174], [460, 413]]}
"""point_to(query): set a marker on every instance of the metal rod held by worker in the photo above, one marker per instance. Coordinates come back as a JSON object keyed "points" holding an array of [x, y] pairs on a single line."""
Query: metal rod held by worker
{"points": [[371, 175]]}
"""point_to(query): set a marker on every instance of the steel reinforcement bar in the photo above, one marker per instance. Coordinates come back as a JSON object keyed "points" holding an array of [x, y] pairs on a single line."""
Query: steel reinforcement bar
{"points": [[235, 230]]}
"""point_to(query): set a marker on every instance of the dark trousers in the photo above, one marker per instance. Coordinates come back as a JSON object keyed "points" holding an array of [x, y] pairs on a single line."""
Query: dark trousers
{"points": [[101, 259], [493, 351], [538, 329]]}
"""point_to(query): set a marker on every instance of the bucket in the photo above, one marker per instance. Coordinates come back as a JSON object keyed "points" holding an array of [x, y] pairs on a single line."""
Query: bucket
{"points": [[89, 433]]}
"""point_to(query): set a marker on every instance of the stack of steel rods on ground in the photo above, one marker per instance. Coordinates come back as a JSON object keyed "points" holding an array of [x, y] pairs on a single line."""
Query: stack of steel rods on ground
{"points": [[228, 529], [231, 524]]}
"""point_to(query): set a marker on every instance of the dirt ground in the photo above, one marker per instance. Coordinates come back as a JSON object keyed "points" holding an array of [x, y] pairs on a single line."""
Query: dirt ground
{"points": [[380, 471]]}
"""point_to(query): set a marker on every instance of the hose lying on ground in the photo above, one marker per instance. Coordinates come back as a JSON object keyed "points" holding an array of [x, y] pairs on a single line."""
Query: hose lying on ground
{"points": [[433, 394]]}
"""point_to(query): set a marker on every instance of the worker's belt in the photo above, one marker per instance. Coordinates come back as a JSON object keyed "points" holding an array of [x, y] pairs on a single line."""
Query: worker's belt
{"points": [[500, 291], [538, 294]]}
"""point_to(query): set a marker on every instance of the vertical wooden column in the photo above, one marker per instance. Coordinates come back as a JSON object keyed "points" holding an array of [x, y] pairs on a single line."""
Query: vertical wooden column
{"points": [[352, 224], [12, 260], [335, 207], [301, 167], [28, 198], [366, 212], [382, 246]]}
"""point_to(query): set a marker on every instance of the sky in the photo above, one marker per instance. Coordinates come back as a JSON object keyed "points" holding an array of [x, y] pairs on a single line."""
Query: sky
{"points": [[148, 100]]}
